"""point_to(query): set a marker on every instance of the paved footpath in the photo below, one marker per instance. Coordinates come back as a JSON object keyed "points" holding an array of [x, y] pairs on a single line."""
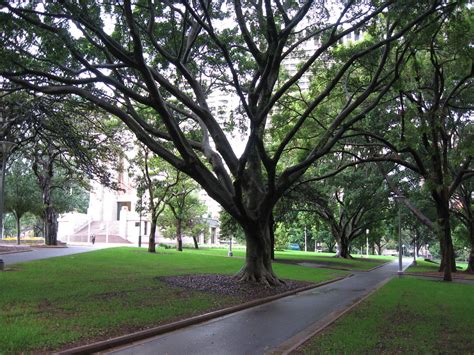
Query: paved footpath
{"points": [[268, 327], [45, 253]]}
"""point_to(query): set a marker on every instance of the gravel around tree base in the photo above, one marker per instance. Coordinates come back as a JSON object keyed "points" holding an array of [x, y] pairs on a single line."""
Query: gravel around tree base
{"points": [[229, 286]]}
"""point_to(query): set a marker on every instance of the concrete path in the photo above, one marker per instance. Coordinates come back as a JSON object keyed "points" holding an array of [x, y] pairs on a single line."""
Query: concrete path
{"points": [[263, 328], [45, 253]]}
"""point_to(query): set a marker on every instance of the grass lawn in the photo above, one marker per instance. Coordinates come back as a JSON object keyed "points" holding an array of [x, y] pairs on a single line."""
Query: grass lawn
{"points": [[423, 266], [51, 304], [359, 262], [407, 316]]}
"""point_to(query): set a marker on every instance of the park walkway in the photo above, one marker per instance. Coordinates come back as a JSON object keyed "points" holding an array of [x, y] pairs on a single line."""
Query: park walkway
{"points": [[272, 327], [45, 253]]}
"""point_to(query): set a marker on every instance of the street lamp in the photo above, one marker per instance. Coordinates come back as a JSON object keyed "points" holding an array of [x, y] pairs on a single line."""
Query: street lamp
{"points": [[414, 251], [400, 265], [230, 247], [140, 223], [5, 149], [367, 234], [305, 240]]}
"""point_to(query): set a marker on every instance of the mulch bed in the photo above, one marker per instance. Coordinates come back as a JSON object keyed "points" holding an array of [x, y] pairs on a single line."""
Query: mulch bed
{"points": [[229, 286]]}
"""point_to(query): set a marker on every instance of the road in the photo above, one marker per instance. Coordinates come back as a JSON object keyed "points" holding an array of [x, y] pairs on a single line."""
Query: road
{"points": [[263, 328]]}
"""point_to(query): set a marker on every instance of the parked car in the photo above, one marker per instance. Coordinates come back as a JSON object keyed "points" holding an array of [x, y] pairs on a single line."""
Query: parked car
{"points": [[293, 246]]}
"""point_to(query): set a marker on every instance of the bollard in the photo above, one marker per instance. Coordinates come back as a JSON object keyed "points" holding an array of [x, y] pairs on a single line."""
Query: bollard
{"points": [[2, 264]]}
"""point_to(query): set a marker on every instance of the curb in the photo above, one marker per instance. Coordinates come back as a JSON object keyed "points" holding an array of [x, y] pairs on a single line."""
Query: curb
{"points": [[148, 333], [15, 251], [321, 266], [378, 266], [299, 339], [49, 246]]}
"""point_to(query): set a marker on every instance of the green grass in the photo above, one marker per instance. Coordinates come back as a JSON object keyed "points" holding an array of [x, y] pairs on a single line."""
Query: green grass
{"points": [[51, 304], [360, 263], [406, 316], [426, 266]]}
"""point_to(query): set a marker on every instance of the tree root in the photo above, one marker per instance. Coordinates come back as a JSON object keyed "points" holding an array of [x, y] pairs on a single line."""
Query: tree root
{"points": [[268, 279], [349, 257]]}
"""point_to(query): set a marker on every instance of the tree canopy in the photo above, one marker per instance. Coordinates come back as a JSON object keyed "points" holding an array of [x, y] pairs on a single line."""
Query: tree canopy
{"points": [[156, 65]]}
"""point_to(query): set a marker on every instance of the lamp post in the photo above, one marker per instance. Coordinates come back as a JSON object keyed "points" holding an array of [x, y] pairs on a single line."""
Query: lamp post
{"points": [[414, 251], [230, 247], [400, 264], [305, 240], [6, 147], [140, 223], [367, 238]]}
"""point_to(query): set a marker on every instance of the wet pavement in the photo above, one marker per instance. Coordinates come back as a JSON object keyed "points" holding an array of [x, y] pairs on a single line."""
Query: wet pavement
{"points": [[45, 253], [263, 328]]}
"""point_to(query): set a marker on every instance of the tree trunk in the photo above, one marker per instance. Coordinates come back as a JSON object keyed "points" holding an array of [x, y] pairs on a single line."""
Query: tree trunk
{"points": [[18, 229], [470, 261], [179, 240], [151, 237], [448, 263], [258, 263], [51, 226], [196, 245], [379, 248], [272, 236], [343, 248]]}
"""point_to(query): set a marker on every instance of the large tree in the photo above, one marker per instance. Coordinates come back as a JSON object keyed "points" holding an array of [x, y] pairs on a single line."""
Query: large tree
{"points": [[464, 210], [168, 57], [427, 127]]}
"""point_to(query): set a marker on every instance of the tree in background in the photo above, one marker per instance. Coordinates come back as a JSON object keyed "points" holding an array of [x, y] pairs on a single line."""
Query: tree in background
{"points": [[21, 192], [229, 228], [348, 203], [154, 183], [184, 211], [463, 210], [66, 136], [427, 123]]}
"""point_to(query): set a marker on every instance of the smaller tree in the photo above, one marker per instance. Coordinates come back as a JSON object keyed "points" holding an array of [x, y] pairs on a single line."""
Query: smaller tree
{"points": [[154, 183], [229, 228], [184, 210], [21, 192]]}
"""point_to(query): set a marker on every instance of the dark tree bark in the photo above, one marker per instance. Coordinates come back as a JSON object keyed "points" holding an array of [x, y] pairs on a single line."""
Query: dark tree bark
{"points": [[448, 262], [463, 211], [258, 261], [43, 167], [379, 248], [272, 236], [151, 237], [470, 261], [51, 226], [179, 237], [195, 240], [343, 247], [18, 228]]}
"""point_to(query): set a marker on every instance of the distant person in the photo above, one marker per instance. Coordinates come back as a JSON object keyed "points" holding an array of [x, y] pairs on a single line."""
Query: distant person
{"points": [[93, 239]]}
